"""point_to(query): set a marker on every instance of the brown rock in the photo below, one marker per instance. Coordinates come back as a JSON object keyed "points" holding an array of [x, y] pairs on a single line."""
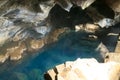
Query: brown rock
{"points": [[3, 58], [59, 68], [16, 52], [114, 4], [86, 69], [112, 57], [54, 35], [36, 44], [92, 28], [83, 3], [117, 49], [51, 76], [15, 49]]}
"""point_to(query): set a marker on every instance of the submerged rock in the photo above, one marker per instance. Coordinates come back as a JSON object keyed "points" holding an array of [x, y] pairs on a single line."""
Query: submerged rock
{"points": [[85, 69]]}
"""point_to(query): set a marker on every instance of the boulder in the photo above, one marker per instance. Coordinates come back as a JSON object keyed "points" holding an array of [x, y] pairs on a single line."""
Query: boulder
{"points": [[84, 69]]}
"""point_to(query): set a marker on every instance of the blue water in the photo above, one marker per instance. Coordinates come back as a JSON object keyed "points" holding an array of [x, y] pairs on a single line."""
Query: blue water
{"points": [[70, 47]]}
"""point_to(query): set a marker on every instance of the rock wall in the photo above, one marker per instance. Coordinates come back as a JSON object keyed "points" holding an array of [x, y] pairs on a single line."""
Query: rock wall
{"points": [[23, 29], [27, 26], [114, 4]]}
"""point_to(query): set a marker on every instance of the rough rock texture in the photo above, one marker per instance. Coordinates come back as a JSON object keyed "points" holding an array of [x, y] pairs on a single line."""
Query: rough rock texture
{"points": [[14, 50], [99, 18], [117, 49], [114, 4], [92, 28], [112, 57], [37, 5], [26, 26], [84, 69], [83, 3], [21, 32]]}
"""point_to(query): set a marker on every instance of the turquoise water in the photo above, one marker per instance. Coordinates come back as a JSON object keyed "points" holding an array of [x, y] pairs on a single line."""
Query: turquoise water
{"points": [[70, 47]]}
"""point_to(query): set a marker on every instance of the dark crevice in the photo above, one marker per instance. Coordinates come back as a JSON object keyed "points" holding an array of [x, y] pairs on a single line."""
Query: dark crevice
{"points": [[103, 9]]}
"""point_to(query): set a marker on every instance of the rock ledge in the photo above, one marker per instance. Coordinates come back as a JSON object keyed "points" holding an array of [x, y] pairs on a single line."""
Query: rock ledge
{"points": [[84, 69]]}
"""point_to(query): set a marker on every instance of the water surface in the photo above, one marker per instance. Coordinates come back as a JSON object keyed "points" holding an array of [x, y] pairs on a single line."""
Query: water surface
{"points": [[70, 47]]}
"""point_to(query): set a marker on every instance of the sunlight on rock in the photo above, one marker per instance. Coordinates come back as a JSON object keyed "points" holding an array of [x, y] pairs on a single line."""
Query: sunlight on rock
{"points": [[37, 35], [85, 69]]}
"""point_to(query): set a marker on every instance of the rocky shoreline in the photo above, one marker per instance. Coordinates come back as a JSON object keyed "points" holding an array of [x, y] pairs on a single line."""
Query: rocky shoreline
{"points": [[84, 69], [14, 50], [23, 31]]}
